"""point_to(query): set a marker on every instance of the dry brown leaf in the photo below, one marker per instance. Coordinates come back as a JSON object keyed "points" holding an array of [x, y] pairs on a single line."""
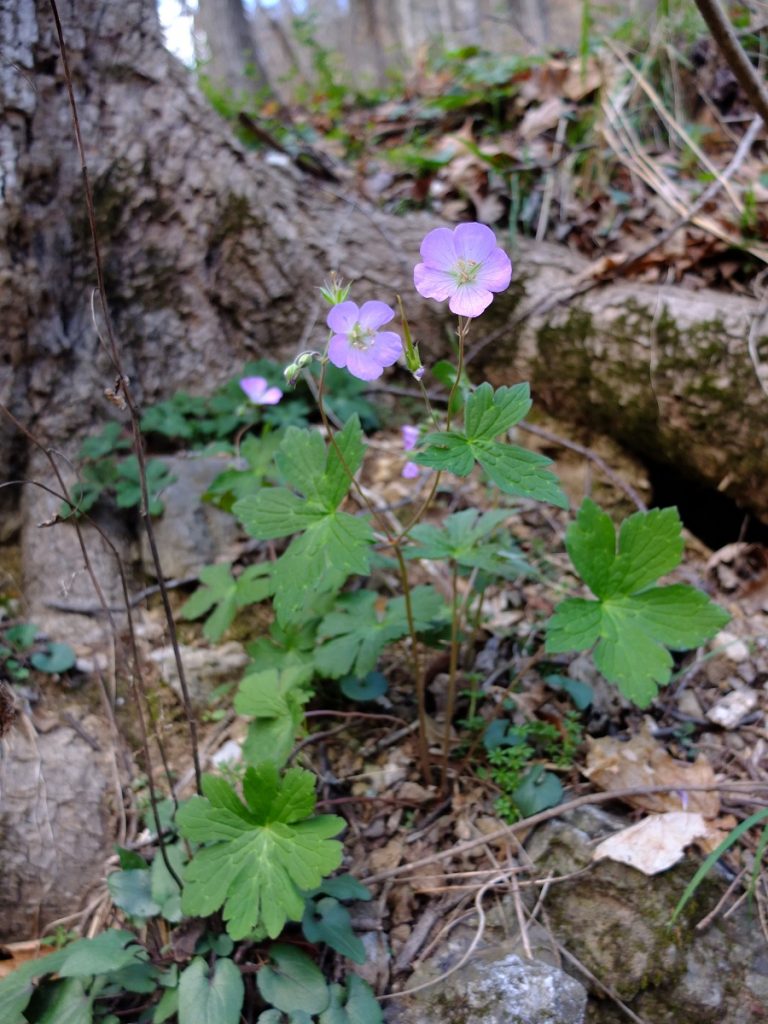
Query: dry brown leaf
{"points": [[14, 954], [542, 119], [643, 761], [655, 843], [387, 857]]}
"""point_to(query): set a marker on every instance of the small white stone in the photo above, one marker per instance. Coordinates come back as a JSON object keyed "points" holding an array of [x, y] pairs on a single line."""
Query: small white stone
{"points": [[729, 710], [733, 647], [230, 753]]}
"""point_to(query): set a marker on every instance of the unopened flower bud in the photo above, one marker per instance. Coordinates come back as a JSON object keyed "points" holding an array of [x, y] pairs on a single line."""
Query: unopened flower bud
{"points": [[334, 290], [412, 357]]}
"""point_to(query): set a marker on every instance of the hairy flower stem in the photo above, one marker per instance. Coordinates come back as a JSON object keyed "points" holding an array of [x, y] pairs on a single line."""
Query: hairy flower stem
{"points": [[450, 703], [395, 542], [463, 331]]}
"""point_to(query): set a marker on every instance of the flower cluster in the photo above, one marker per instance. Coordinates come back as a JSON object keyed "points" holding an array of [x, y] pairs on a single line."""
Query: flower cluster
{"points": [[463, 265]]}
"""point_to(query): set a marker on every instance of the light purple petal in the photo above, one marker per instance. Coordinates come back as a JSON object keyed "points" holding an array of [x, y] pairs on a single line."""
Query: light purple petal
{"points": [[496, 272], [474, 242], [375, 314], [410, 436], [363, 365], [342, 318], [411, 471], [338, 350], [437, 249], [433, 284], [470, 300], [386, 348], [271, 396], [254, 387]]}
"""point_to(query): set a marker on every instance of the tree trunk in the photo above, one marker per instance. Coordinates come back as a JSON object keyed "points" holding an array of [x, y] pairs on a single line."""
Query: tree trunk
{"points": [[232, 58]]}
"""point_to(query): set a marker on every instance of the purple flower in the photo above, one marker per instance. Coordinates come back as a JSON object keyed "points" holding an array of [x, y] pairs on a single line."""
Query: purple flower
{"points": [[259, 392], [410, 436], [357, 342], [464, 265]]}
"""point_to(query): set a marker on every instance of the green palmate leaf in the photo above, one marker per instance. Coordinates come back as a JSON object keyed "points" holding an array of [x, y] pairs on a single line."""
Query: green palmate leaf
{"points": [[326, 920], [128, 486], [137, 977], [275, 699], [109, 440], [290, 647], [222, 595], [16, 990], [111, 951], [490, 413], [357, 632], [514, 470], [67, 1002], [355, 1005], [461, 539], [292, 982], [517, 471], [320, 561], [332, 545], [262, 853], [132, 891], [447, 451], [210, 996], [631, 624]]}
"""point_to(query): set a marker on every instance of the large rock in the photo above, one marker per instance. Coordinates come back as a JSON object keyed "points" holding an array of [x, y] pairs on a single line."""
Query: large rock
{"points": [[55, 824], [615, 920], [498, 988], [191, 533]]}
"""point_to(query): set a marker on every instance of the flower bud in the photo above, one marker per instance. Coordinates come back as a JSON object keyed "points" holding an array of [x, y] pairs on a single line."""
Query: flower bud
{"points": [[334, 290], [291, 373], [412, 357]]}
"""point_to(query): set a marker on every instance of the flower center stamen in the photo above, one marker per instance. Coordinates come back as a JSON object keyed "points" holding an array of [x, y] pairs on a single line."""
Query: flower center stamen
{"points": [[361, 337], [465, 271]]}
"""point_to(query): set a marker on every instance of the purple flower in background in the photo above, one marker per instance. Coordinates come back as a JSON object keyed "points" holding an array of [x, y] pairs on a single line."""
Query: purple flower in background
{"points": [[410, 437], [465, 266], [259, 392], [357, 342]]}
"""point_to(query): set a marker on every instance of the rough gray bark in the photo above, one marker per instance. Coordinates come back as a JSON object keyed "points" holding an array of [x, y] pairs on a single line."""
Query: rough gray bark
{"points": [[55, 823], [232, 58]]}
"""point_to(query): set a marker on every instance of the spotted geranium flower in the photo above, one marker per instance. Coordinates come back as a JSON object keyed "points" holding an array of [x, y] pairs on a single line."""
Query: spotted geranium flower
{"points": [[410, 436], [357, 342], [465, 266], [259, 392]]}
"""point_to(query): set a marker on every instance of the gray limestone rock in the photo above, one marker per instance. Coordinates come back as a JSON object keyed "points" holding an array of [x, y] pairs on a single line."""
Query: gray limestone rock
{"points": [[190, 534], [497, 987]]}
